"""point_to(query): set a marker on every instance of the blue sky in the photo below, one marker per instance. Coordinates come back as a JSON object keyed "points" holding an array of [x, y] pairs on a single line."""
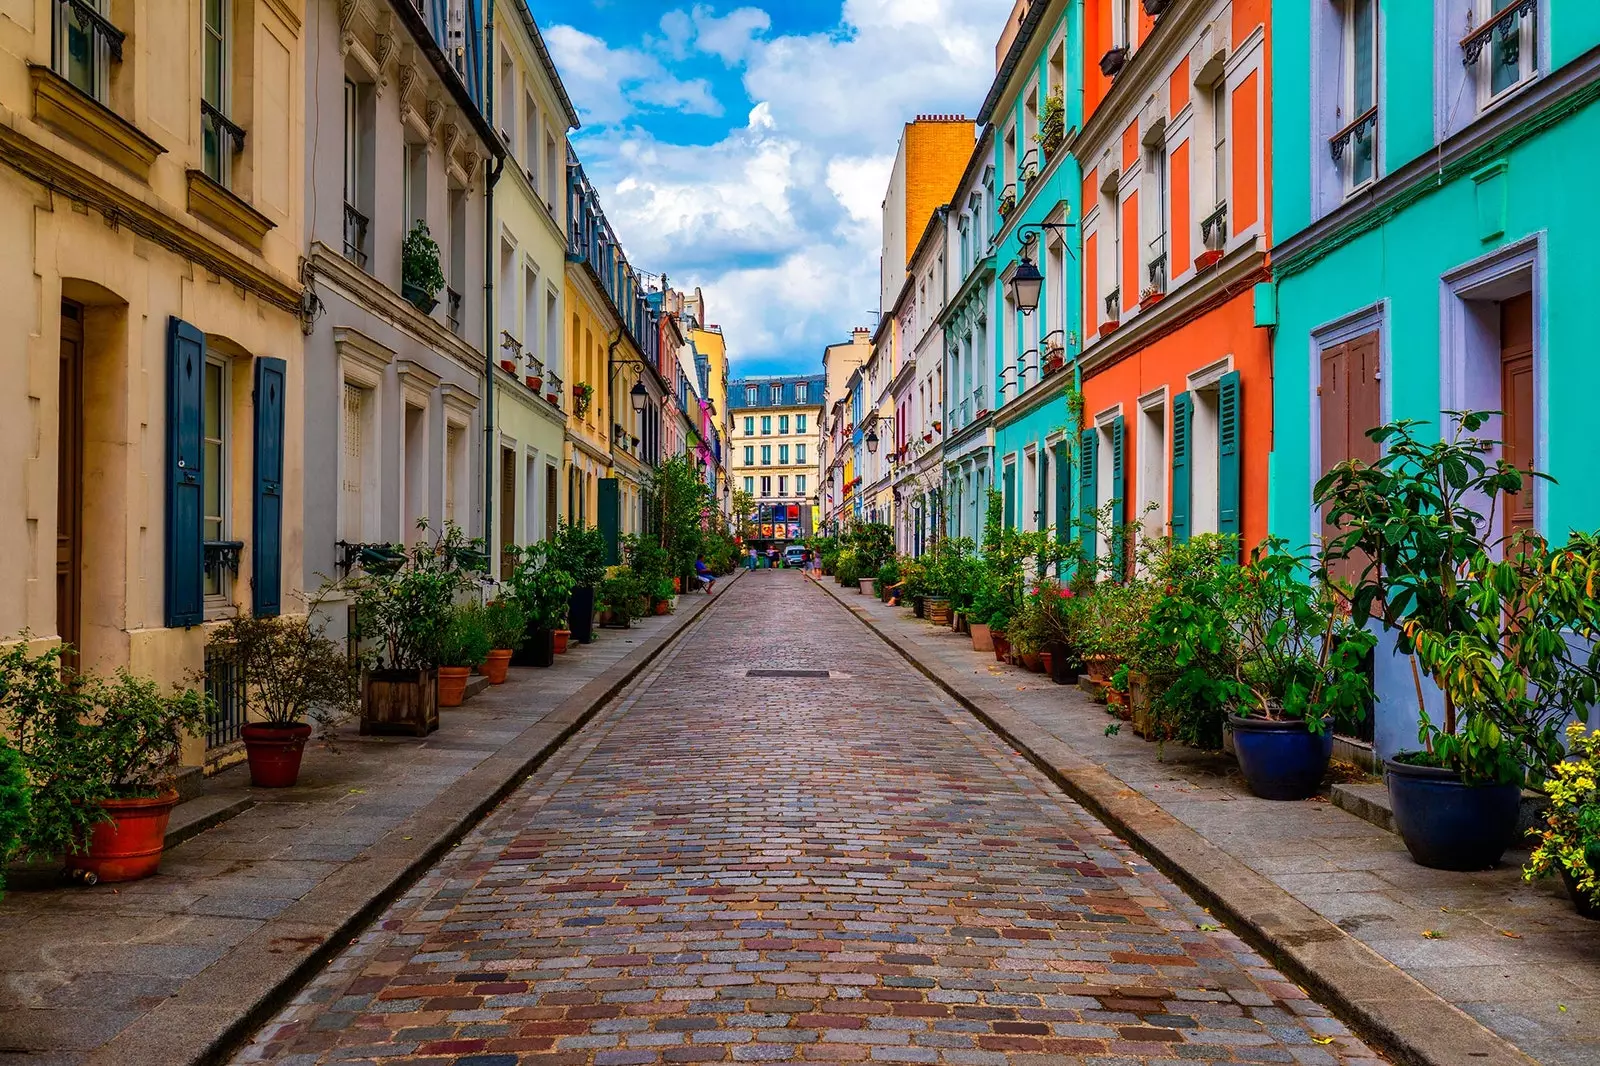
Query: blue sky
{"points": [[745, 148]]}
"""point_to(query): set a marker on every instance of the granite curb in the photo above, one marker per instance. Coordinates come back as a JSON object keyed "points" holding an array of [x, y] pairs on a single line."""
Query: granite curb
{"points": [[212, 1014], [1393, 1011]]}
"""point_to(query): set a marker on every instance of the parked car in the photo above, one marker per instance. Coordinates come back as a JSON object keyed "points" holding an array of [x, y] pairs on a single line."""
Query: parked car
{"points": [[794, 555]]}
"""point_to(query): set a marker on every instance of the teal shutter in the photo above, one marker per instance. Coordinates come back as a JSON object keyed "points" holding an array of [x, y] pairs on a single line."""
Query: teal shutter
{"points": [[1228, 448], [267, 520], [1043, 503], [1087, 492], [1182, 421], [610, 515], [1119, 495], [186, 367], [1063, 491], [1010, 493]]}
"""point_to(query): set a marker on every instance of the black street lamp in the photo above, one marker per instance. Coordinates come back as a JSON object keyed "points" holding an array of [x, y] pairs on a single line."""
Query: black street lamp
{"points": [[1026, 282], [639, 397], [872, 442]]}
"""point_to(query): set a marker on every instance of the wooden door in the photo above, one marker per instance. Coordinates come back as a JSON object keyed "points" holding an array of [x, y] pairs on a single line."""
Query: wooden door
{"points": [[1516, 400], [69, 481], [508, 510], [551, 505], [1349, 404]]}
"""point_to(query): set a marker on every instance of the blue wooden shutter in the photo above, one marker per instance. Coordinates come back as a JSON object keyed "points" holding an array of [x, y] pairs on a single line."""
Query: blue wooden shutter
{"points": [[1010, 493], [1088, 492], [1063, 456], [185, 576], [1182, 421], [610, 516], [267, 513], [1119, 495], [1228, 447]]}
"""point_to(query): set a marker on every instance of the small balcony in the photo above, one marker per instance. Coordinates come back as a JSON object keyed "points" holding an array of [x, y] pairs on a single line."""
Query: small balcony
{"points": [[452, 309], [355, 236]]}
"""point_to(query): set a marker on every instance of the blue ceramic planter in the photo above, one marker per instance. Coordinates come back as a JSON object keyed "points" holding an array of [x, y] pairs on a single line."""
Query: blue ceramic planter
{"points": [[1280, 760], [1447, 825]]}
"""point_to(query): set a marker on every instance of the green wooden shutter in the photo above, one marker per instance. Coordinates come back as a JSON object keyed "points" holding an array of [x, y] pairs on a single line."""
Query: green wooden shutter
{"points": [[1182, 421], [610, 516], [185, 576], [1010, 493], [1063, 455], [1119, 494], [1228, 448], [267, 519], [1088, 492], [1043, 502]]}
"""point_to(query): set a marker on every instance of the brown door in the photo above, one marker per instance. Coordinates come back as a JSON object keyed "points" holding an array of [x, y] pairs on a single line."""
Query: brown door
{"points": [[69, 480], [1350, 404], [551, 506], [1516, 400], [508, 510]]}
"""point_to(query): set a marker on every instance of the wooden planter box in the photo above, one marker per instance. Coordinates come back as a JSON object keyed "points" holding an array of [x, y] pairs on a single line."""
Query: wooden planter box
{"points": [[938, 611], [400, 701], [1141, 709]]}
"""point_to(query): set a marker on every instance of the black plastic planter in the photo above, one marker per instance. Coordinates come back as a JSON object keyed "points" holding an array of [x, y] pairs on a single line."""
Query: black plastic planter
{"points": [[918, 606], [580, 614], [541, 648], [1447, 825], [1281, 760], [1064, 668]]}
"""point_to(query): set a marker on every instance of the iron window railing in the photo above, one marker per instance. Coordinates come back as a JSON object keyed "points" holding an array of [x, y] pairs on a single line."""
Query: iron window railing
{"points": [[1506, 24], [85, 41], [452, 310], [1214, 228], [225, 685], [1157, 268], [220, 556], [355, 236], [228, 139], [1113, 304]]}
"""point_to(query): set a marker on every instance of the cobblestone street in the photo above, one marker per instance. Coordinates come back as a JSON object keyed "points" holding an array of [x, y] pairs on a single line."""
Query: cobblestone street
{"points": [[820, 868]]}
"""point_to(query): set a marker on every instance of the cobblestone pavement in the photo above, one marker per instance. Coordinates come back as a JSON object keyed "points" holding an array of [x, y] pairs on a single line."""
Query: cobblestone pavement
{"points": [[847, 868]]}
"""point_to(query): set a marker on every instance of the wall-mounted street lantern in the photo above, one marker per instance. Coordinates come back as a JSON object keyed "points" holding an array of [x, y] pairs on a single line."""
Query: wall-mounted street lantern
{"points": [[639, 396], [1026, 281]]}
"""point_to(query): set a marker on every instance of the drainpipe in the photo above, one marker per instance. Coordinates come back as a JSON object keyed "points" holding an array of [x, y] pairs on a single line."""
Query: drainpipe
{"points": [[492, 177]]}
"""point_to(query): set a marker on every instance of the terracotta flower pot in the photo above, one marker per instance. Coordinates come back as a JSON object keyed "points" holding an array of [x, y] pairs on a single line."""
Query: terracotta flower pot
{"points": [[1002, 646], [274, 752], [129, 846], [1047, 663], [496, 665], [533, 383], [562, 636], [1030, 662], [662, 607], [453, 685], [508, 365], [981, 639]]}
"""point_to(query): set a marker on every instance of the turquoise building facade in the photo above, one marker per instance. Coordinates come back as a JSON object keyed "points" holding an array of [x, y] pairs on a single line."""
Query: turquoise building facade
{"points": [[1035, 197], [1434, 190]]}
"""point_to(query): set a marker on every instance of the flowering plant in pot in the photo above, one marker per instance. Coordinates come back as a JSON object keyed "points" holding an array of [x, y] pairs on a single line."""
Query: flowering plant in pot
{"points": [[295, 680], [582, 398], [507, 623], [100, 755], [1569, 843], [464, 645], [1486, 612]]}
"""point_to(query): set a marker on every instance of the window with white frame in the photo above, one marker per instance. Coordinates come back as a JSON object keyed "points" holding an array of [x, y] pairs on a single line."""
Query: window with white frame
{"points": [[1158, 208], [783, 424], [783, 485], [799, 484], [221, 140], [1153, 457], [354, 460], [1354, 142], [215, 460], [1125, 23], [800, 423], [775, 394], [749, 486], [531, 141], [802, 393], [415, 178], [1219, 140], [83, 45], [766, 486], [799, 453], [454, 465], [530, 311], [752, 395], [1502, 46]]}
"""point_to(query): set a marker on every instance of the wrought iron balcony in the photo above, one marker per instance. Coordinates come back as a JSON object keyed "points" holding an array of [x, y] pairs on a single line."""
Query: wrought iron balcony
{"points": [[1505, 24], [355, 236], [1214, 228], [1364, 128], [1113, 304], [225, 139], [87, 18], [452, 309], [1157, 267], [220, 555]]}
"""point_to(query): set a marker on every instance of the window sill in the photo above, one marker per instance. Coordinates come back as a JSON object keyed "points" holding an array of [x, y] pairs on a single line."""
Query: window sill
{"points": [[226, 211], [68, 110]]}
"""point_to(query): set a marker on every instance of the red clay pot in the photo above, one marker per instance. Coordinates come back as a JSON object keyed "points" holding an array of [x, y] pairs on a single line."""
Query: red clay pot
{"points": [[129, 846], [274, 752], [1002, 646], [495, 666], [562, 636], [1030, 661], [661, 606], [1047, 663], [453, 685]]}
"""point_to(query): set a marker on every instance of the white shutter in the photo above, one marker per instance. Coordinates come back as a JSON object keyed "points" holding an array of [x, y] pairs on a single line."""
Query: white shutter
{"points": [[353, 465]]}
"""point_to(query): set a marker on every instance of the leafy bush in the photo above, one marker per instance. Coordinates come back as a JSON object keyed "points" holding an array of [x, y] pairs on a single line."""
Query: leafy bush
{"points": [[466, 638], [507, 623], [1570, 839], [407, 609], [419, 260], [541, 582], [888, 576], [14, 804], [848, 569], [873, 544], [291, 670], [622, 593], [581, 552]]}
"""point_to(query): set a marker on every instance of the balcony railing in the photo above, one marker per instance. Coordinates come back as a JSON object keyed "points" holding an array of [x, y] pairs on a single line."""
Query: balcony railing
{"points": [[1362, 129], [452, 308], [1113, 304], [1156, 270], [219, 556], [225, 685], [1506, 24], [355, 236], [89, 19], [224, 139], [1214, 228]]}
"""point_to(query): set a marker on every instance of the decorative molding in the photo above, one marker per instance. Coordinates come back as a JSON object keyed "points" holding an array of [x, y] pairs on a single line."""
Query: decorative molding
{"points": [[359, 352], [226, 211], [433, 114], [416, 381], [406, 77], [459, 400], [68, 110], [66, 178], [387, 44]]}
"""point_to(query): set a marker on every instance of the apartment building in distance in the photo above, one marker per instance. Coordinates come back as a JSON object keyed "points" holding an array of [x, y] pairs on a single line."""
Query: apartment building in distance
{"points": [[775, 452]]}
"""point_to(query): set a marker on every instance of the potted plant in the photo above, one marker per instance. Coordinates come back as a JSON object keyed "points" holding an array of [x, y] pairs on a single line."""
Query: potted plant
{"points": [[1052, 125], [1483, 613], [507, 623], [579, 551], [542, 585], [294, 677], [420, 275], [464, 646], [15, 803], [1569, 843], [582, 398], [661, 599], [621, 597], [402, 613], [100, 755]]}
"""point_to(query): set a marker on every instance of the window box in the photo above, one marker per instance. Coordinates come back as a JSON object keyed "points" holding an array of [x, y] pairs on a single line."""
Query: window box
{"points": [[418, 297], [1150, 297], [1112, 62], [1207, 259], [226, 211], [70, 111]]}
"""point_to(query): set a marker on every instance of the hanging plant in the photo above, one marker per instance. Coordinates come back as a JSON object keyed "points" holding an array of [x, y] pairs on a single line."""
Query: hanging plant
{"points": [[582, 398]]}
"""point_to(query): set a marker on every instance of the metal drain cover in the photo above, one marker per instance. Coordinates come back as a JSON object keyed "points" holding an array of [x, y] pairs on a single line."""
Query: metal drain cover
{"points": [[787, 673]]}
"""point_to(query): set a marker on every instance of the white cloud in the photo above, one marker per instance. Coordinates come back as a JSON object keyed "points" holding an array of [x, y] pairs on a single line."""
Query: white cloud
{"points": [[779, 221], [609, 84]]}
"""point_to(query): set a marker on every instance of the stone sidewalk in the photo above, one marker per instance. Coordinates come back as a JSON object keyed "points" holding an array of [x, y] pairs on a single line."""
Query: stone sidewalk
{"points": [[1312, 880], [169, 970]]}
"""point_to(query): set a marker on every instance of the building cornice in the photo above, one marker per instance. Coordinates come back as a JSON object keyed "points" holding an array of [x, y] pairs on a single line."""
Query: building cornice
{"points": [[982, 271], [998, 89], [1142, 75]]}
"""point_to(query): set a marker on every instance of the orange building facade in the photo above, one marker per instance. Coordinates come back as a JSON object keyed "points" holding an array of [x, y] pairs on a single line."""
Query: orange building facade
{"points": [[1176, 366]]}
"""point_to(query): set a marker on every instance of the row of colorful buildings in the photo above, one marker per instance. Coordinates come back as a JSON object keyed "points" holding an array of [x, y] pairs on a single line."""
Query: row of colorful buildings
{"points": [[227, 369], [1201, 246]]}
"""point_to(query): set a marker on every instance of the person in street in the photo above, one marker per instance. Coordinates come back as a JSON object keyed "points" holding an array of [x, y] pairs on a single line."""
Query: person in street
{"points": [[708, 580], [772, 558]]}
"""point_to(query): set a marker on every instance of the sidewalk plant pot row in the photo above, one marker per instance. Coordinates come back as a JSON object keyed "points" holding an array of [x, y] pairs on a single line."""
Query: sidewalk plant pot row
{"points": [[1445, 823], [128, 845], [403, 702]]}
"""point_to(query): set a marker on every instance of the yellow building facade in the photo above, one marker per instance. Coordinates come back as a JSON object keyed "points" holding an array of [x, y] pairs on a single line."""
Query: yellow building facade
{"points": [[150, 420]]}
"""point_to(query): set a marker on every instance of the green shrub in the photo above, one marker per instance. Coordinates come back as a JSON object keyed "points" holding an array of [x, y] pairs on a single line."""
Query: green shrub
{"points": [[507, 622], [466, 639], [14, 804], [848, 569]]}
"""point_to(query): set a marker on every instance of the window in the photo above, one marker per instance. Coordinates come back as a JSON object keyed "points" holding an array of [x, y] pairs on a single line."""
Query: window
{"points": [[355, 221], [800, 453], [783, 455], [766, 455], [766, 486], [799, 423], [750, 455], [1156, 254], [802, 391], [83, 48], [415, 177], [454, 464], [1219, 139], [775, 393], [766, 425], [783, 423], [221, 138], [1505, 49], [1359, 94], [799, 484], [752, 395], [353, 471], [783, 485], [552, 165], [1125, 24], [530, 313], [214, 471], [749, 426], [749, 486], [531, 141]]}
